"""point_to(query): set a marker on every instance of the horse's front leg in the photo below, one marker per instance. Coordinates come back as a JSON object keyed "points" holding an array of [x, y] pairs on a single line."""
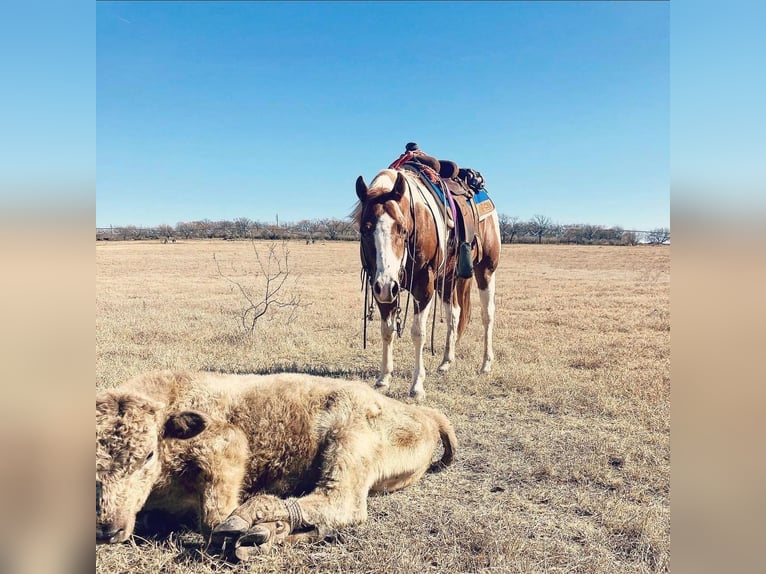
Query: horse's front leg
{"points": [[387, 318], [418, 331]]}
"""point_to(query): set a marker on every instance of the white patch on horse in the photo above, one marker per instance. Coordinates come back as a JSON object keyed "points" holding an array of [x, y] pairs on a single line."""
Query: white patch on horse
{"points": [[388, 264], [425, 197], [385, 179]]}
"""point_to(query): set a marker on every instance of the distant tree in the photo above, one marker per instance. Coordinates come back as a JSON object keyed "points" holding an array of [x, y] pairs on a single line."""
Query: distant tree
{"points": [[509, 227], [336, 228], [540, 225], [242, 226], [203, 228], [629, 238], [129, 232], [164, 230], [185, 229], [658, 236], [304, 227]]}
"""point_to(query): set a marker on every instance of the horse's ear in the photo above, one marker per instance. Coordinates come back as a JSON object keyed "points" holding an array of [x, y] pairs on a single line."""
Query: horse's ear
{"points": [[361, 188], [398, 191]]}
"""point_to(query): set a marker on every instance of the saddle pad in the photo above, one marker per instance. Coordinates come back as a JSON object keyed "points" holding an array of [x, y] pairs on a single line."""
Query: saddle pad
{"points": [[484, 205]]}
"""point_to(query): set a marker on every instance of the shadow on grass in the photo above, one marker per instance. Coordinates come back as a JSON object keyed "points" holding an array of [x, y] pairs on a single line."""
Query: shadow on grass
{"points": [[177, 537], [320, 371]]}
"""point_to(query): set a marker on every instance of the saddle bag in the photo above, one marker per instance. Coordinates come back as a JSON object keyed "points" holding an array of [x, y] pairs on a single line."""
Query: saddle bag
{"points": [[472, 178]]}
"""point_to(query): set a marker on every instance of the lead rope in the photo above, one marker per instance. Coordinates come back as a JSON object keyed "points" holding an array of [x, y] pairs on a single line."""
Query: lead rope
{"points": [[364, 307], [368, 308]]}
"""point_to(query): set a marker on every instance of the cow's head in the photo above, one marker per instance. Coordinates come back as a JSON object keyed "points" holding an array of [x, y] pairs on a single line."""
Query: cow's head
{"points": [[383, 219], [130, 434]]}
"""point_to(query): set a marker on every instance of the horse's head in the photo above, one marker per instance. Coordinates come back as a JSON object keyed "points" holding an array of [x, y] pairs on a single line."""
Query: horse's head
{"points": [[384, 222]]}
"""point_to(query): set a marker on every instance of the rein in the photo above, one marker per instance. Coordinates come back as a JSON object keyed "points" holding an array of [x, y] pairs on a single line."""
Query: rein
{"points": [[402, 271]]}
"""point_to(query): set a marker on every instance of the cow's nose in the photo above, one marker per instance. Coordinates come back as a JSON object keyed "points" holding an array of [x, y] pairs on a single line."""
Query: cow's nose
{"points": [[108, 533]]}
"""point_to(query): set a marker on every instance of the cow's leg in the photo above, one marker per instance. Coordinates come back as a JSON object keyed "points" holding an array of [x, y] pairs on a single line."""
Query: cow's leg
{"points": [[222, 460], [387, 318], [339, 499], [452, 311], [487, 297], [418, 330]]}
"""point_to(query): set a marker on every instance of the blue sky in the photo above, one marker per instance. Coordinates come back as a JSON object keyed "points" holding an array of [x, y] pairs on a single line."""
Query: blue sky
{"points": [[242, 109]]}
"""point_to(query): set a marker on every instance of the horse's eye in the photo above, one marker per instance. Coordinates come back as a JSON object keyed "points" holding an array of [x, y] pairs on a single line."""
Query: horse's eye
{"points": [[149, 457]]}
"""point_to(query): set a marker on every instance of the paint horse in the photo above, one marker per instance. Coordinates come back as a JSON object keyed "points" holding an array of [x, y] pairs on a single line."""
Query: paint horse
{"points": [[406, 245]]}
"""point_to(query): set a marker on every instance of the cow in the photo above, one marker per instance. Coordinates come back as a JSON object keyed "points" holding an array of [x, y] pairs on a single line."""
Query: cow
{"points": [[257, 459]]}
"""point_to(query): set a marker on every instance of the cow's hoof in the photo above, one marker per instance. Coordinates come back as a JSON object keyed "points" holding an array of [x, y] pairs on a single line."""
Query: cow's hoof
{"points": [[260, 539], [233, 525]]}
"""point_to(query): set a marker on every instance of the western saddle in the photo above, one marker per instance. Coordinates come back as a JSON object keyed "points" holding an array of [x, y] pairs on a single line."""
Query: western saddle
{"points": [[458, 187]]}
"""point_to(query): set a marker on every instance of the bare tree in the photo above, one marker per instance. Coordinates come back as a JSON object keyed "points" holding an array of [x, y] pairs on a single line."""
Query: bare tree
{"points": [[271, 290], [658, 236], [165, 231], [539, 226], [242, 226], [629, 238], [336, 228], [185, 229], [509, 227]]}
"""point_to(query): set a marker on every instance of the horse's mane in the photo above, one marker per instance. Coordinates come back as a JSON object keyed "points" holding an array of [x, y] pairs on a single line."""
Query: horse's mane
{"points": [[356, 214]]}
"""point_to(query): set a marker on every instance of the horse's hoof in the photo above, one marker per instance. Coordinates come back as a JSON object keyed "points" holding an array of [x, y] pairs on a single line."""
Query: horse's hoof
{"points": [[444, 367], [417, 395], [383, 381]]}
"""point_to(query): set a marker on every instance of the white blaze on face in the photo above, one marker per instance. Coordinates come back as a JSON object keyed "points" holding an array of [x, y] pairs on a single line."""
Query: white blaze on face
{"points": [[388, 264]]}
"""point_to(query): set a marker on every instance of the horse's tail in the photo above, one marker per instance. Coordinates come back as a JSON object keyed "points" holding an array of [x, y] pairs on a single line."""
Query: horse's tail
{"points": [[463, 290], [448, 438]]}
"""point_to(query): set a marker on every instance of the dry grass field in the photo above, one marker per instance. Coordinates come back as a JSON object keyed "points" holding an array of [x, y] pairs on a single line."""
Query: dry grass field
{"points": [[564, 458]]}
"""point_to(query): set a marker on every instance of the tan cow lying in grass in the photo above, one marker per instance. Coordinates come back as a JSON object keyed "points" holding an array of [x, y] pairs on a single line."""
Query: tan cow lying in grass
{"points": [[259, 458]]}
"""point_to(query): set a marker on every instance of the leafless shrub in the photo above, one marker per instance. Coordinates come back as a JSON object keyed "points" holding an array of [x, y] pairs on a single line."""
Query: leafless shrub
{"points": [[272, 289], [659, 236]]}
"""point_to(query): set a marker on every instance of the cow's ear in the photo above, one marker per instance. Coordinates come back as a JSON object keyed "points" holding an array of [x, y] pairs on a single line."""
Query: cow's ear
{"points": [[361, 189], [186, 424]]}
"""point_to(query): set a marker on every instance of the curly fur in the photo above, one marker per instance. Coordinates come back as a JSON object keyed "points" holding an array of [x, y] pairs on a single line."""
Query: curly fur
{"points": [[220, 445]]}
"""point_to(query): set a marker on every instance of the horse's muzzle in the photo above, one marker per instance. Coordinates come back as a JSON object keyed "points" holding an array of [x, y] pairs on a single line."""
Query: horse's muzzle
{"points": [[386, 291]]}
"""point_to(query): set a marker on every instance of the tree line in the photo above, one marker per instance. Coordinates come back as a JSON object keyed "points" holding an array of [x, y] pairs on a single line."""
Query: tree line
{"points": [[538, 229]]}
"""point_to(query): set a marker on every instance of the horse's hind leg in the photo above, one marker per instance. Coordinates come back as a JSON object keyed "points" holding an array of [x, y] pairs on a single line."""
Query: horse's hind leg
{"points": [[486, 282]]}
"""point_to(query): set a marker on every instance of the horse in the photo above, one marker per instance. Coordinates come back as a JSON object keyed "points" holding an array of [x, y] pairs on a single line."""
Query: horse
{"points": [[405, 245]]}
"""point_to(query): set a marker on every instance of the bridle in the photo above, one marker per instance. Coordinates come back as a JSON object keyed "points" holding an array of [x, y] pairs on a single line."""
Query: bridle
{"points": [[367, 277]]}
